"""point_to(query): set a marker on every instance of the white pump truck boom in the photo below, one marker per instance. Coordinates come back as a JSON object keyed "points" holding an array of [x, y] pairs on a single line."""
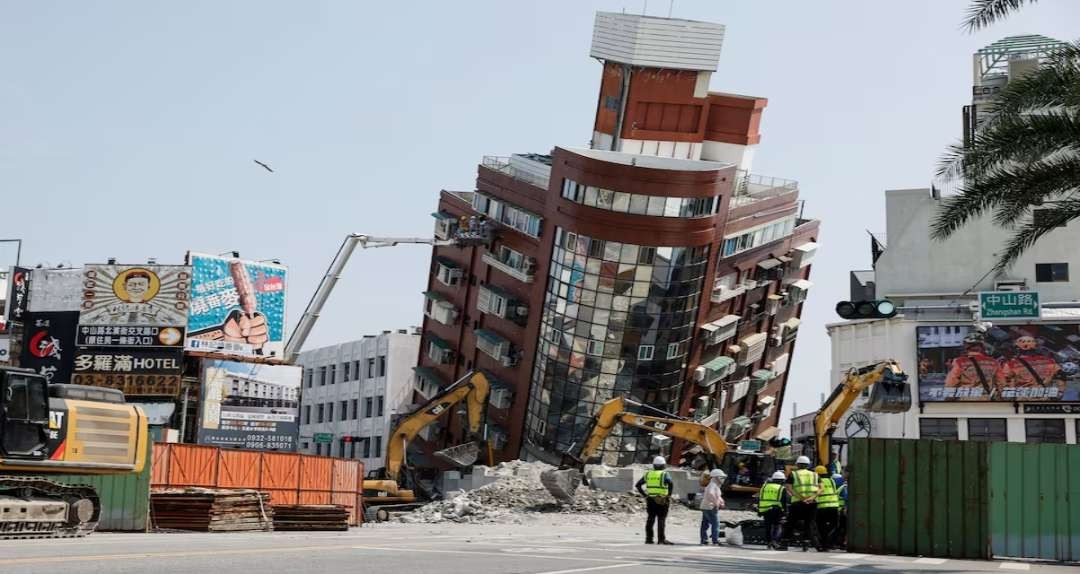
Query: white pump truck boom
{"points": [[466, 237]]}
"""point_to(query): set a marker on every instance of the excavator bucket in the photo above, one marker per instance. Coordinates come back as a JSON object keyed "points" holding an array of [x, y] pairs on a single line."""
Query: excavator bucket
{"points": [[892, 394], [460, 455], [562, 483]]}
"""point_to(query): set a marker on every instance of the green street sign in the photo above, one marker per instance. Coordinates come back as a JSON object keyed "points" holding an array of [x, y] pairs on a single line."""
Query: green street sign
{"points": [[324, 437], [1009, 305]]}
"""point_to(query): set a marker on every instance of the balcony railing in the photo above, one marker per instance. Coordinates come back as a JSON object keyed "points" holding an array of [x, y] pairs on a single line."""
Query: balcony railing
{"points": [[503, 166], [525, 275], [752, 187]]}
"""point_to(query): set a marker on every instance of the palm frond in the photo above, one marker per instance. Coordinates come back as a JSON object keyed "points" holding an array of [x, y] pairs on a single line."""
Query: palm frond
{"points": [[982, 13], [1030, 233]]}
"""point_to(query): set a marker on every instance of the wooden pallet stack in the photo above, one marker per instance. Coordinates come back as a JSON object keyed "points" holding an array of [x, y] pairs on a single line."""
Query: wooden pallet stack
{"points": [[211, 510], [311, 517]]}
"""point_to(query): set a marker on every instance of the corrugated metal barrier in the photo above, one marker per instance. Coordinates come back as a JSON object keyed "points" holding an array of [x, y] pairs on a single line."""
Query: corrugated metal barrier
{"points": [[288, 478], [918, 497], [125, 499], [1035, 501]]}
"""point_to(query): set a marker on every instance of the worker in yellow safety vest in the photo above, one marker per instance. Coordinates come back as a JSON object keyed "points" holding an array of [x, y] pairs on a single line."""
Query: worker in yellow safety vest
{"points": [[828, 509], [840, 538], [657, 492], [771, 504], [803, 488]]}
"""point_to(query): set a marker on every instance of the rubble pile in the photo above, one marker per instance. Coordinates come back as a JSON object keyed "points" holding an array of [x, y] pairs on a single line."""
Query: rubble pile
{"points": [[517, 496]]}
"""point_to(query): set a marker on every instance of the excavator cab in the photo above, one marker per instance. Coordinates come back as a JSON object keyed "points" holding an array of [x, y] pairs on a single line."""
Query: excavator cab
{"points": [[24, 414], [892, 394]]}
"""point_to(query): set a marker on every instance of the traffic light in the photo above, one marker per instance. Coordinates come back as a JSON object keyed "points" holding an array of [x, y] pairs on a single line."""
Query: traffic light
{"points": [[880, 309]]}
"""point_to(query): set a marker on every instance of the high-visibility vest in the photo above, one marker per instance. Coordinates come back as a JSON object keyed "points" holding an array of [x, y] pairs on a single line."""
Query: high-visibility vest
{"points": [[836, 468], [806, 484], [828, 497], [769, 496], [839, 494], [655, 483]]}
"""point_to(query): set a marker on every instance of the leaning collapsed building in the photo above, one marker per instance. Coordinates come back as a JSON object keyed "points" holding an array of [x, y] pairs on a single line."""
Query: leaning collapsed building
{"points": [[654, 264]]}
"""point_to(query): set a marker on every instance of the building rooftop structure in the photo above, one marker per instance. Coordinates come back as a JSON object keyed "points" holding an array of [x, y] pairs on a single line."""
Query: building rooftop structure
{"points": [[648, 41]]}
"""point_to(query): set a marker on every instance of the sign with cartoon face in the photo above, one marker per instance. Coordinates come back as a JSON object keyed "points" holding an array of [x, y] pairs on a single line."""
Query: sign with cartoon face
{"points": [[144, 295]]}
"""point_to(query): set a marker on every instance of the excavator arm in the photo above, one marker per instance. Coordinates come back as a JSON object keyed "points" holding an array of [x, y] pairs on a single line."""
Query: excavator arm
{"points": [[892, 395], [473, 389], [563, 483]]}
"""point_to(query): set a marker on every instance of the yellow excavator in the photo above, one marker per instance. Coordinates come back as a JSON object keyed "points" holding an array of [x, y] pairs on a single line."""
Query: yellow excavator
{"points": [[563, 482], [891, 393], [385, 487], [50, 429]]}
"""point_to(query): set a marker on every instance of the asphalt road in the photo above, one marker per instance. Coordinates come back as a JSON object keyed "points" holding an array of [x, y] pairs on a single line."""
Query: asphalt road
{"points": [[449, 549]]}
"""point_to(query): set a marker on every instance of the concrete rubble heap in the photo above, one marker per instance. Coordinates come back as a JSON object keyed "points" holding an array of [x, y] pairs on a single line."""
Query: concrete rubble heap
{"points": [[517, 496]]}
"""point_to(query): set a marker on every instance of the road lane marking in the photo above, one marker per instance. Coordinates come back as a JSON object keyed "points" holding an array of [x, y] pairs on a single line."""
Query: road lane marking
{"points": [[480, 553], [931, 561], [590, 569], [144, 555], [832, 569], [1014, 566]]}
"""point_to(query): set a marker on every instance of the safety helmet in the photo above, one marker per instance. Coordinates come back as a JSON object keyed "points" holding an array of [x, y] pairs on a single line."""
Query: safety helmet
{"points": [[779, 475], [1026, 343], [803, 460], [659, 461], [717, 473], [973, 338], [821, 470]]}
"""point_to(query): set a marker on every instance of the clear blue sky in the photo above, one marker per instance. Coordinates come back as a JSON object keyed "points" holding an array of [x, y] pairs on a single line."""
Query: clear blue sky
{"points": [[128, 129]]}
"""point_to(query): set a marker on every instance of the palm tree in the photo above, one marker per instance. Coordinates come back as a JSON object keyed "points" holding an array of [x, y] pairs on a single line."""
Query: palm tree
{"points": [[983, 13], [1025, 155]]}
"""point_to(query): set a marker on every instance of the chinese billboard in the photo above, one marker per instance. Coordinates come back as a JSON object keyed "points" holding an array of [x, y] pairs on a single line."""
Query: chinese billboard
{"points": [[250, 406], [56, 290], [49, 344], [135, 295], [1005, 363], [19, 296], [137, 372], [237, 307]]}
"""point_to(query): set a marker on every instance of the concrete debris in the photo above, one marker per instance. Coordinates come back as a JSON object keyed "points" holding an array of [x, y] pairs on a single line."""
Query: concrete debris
{"points": [[517, 496]]}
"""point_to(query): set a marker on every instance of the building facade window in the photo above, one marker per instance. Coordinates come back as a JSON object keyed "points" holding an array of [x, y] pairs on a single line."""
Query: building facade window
{"points": [[371, 368], [355, 408], [638, 204], [378, 446], [322, 376], [1051, 272], [307, 414], [367, 448], [368, 407], [356, 369], [758, 236], [332, 374], [1044, 430], [345, 371], [508, 214], [330, 412], [382, 365], [599, 291], [447, 272], [987, 430], [938, 429], [309, 377], [322, 413], [380, 403]]}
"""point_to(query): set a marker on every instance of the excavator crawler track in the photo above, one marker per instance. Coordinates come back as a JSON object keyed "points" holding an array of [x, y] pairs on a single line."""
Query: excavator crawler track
{"points": [[44, 489]]}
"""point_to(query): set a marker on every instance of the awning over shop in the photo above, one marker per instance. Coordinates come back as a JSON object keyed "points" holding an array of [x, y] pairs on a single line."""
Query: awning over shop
{"points": [[764, 375], [802, 284], [769, 264], [719, 364], [766, 400], [442, 215], [429, 375], [439, 342], [490, 336], [434, 296], [448, 263]]}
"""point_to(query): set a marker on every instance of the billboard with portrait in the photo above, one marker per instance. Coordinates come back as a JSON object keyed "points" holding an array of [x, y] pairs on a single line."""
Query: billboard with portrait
{"points": [[250, 406], [134, 305], [1038, 362], [237, 307]]}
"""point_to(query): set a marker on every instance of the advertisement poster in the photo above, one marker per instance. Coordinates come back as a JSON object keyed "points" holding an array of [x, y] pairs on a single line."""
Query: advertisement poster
{"points": [[56, 290], [250, 406], [5, 350], [1005, 363], [237, 307], [49, 344], [153, 295], [19, 294]]}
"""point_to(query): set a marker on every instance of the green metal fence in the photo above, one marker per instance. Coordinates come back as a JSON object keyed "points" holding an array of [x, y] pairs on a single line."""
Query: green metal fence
{"points": [[918, 497], [1035, 501], [125, 499]]}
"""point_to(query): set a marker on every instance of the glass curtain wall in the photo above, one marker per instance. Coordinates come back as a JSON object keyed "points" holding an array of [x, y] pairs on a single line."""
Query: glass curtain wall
{"points": [[618, 321]]}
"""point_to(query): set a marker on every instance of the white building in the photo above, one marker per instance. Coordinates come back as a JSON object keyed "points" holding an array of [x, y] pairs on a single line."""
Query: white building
{"points": [[351, 391], [248, 387], [1015, 379]]}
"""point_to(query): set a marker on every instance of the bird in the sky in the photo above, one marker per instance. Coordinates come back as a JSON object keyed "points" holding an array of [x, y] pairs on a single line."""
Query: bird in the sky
{"points": [[266, 167]]}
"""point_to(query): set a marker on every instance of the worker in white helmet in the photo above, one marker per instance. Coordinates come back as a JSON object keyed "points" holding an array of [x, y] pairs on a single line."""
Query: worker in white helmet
{"points": [[656, 486], [803, 487], [712, 500], [772, 504]]}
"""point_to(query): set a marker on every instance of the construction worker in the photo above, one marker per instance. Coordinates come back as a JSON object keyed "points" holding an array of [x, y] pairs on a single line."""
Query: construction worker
{"points": [[803, 488], [656, 486], [828, 509], [974, 375], [834, 463], [771, 505], [840, 538], [712, 500]]}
